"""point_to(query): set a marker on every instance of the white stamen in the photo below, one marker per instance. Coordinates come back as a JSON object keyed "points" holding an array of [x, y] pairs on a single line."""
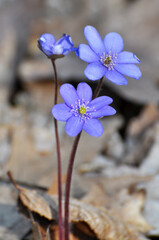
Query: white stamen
{"points": [[109, 60], [82, 110]]}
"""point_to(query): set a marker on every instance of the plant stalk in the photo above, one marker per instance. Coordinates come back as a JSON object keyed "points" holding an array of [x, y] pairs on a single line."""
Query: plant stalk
{"points": [[98, 88], [68, 185], [58, 158], [70, 170]]}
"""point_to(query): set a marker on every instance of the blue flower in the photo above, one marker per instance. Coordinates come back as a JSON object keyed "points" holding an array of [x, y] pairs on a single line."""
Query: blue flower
{"points": [[106, 58], [55, 49], [80, 111]]}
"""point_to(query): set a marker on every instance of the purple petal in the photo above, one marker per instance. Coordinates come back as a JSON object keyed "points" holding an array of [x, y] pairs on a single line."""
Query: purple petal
{"points": [[116, 77], [106, 111], [86, 54], [100, 102], [93, 127], [113, 42], [95, 71], [66, 43], [74, 126], [46, 43], [61, 112], [94, 39], [84, 91], [68, 94], [130, 70], [127, 57]]}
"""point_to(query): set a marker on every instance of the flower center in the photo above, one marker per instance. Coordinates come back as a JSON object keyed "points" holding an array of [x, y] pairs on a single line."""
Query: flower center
{"points": [[58, 49], [109, 60], [82, 109]]}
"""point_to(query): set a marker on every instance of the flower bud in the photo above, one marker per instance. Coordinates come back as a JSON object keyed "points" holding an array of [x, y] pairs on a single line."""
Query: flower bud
{"points": [[55, 49]]}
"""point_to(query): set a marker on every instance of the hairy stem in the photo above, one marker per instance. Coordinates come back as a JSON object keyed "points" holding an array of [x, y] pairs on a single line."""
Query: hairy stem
{"points": [[58, 158]]}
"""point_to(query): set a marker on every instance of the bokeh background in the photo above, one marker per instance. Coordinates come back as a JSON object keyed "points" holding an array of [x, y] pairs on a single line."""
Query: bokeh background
{"points": [[26, 75], [27, 144]]}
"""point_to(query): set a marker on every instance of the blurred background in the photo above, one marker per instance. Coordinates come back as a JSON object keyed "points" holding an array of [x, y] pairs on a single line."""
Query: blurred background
{"points": [[26, 75], [27, 144]]}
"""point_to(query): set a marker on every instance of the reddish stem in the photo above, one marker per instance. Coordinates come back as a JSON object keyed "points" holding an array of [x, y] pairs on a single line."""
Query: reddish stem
{"points": [[58, 158], [70, 169], [98, 88], [68, 184]]}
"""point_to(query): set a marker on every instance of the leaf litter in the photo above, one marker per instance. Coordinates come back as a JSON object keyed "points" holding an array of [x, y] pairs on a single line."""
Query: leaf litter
{"points": [[123, 219]]}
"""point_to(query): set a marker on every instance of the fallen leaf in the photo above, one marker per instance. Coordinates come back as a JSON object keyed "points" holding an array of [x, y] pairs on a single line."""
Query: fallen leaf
{"points": [[132, 212], [91, 196], [93, 221], [101, 222], [34, 202]]}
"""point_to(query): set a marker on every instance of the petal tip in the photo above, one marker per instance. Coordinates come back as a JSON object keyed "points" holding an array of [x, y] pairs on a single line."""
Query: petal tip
{"points": [[124, 83], [138, 60], [88, 27], [113, 42], [139, 76], [114, 112]]}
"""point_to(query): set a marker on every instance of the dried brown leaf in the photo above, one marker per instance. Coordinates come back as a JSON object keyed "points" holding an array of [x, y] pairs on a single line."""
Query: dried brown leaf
{"points": [[104, 224], [36, 203], [99, 220], [128, 206], [132, 212], [91, 196]]}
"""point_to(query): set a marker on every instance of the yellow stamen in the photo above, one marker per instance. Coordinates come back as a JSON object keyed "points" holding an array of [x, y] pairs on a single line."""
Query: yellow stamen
{"points": [[82, 110]]}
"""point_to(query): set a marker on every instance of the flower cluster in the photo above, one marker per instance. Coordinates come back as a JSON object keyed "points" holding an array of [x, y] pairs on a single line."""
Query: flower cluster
{"points": [[80, 111], [105, 58]]}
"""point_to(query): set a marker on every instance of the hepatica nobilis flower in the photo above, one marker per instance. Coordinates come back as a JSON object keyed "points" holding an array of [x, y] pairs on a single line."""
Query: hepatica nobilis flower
{"points": [[106, 58], [55, 49], [80, 111]]}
